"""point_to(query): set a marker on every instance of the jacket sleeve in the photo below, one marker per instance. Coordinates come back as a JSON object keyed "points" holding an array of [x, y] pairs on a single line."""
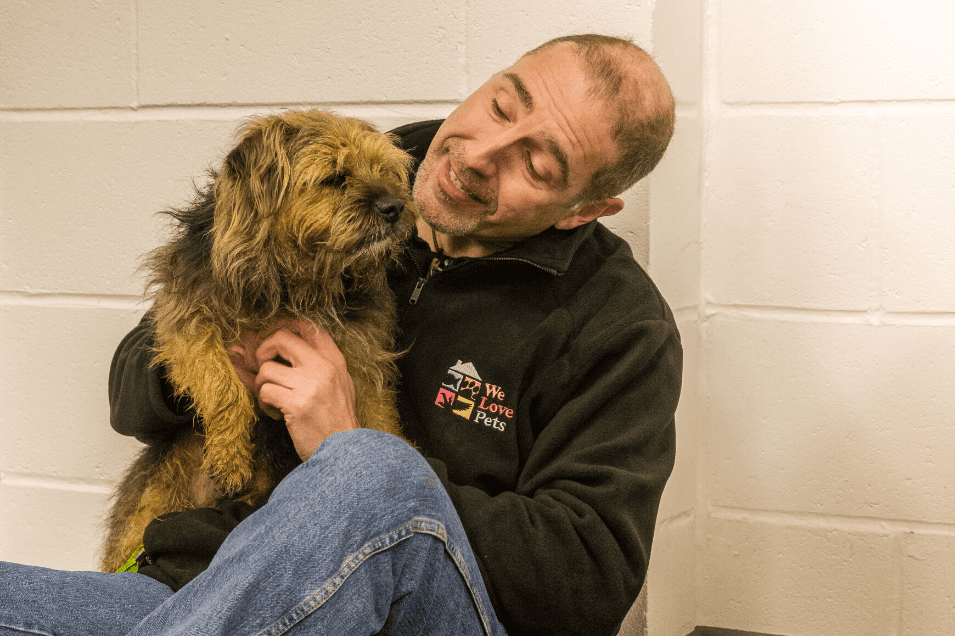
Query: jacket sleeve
{"points": [[141, 402], [570, 547], [181, 545]]}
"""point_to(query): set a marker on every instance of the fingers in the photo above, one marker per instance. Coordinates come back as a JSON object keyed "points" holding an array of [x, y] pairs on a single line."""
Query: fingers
{"points": [[271, 394], [298, 349], [290, 361], [313, 391], [297, 374]]}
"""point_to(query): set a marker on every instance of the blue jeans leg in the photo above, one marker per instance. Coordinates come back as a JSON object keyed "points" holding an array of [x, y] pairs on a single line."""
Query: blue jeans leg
{"points": [[41, 601], [361, 539]]}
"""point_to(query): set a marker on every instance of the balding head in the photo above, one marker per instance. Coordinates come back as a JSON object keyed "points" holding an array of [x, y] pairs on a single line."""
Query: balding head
{"points": [[629, 82]]}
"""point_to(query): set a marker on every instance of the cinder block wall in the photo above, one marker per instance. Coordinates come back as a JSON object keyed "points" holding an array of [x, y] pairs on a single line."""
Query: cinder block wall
{"points": [[819, 296], [108, 111], [801, 227]]}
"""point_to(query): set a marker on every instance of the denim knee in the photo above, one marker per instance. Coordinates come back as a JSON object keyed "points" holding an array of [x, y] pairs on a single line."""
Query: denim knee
{"points": [[374, 468]]}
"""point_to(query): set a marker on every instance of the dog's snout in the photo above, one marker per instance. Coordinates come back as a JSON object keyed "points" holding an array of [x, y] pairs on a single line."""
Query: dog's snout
{"points": [[390, 208]]}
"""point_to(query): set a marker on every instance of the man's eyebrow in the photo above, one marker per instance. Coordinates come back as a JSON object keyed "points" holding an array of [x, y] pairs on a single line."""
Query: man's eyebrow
{"points": [[553, 147], [522, 93]]}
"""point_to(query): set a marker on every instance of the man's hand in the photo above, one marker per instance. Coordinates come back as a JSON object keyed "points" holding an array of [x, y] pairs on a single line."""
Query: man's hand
{"points": [[303, 378]]}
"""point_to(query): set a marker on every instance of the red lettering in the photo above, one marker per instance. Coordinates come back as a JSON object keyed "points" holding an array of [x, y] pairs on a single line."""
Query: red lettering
{"points": [[495, 408], [494, 391]]}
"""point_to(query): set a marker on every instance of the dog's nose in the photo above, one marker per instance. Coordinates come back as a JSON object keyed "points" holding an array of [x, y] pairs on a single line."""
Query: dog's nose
{"points": [[390, 208]]}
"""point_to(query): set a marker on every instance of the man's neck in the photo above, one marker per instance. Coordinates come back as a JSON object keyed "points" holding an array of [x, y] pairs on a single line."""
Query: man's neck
{"points": [[458, 246]]}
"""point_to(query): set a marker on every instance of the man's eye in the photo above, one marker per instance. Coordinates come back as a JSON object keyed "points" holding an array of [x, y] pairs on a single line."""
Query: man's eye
{"points": [[500, 111], [530, 167]]}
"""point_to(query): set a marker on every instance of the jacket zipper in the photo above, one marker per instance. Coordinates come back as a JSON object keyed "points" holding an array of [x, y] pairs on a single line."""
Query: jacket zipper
{"points": [[439, 264], [515, 259], [433, 269]]}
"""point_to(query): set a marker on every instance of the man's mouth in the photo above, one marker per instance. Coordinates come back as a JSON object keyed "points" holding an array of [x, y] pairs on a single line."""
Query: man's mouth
{"points": [[455, 181], [462, 188]]}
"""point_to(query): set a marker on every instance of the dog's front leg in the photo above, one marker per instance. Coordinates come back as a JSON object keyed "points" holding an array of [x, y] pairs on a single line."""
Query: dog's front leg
{"points": [[199, 365]]}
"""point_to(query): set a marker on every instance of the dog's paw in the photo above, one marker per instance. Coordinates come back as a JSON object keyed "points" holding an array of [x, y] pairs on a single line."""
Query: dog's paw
{"points": [[230, 476]]}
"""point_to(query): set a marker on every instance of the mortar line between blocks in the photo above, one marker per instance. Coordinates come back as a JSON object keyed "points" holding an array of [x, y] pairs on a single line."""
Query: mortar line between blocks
{"points": [[14, 480], [848, 108], [435, 109], [709, 113], [826, 521], [680, 518], [92, 301], [870, 317], [687, 313]]}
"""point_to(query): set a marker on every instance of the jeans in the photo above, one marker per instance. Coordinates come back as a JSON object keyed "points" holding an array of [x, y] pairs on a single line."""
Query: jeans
{"points": [[360, 539]]}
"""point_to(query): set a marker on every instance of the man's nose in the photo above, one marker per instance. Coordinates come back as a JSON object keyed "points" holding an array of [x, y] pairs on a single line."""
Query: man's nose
{"points": [[487, 154]]}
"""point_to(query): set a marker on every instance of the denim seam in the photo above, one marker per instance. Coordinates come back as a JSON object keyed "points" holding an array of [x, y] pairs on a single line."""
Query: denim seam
{"points": [[384, 542], [436, 529], [24, 630]]}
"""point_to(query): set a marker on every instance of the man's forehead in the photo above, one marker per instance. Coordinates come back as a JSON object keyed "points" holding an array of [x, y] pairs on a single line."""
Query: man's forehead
{"points": [[514, 77], [550, 141]]}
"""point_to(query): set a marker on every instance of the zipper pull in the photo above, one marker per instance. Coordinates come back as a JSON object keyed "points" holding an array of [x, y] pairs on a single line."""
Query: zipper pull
{"points": [[417, 290], [432, 270]]}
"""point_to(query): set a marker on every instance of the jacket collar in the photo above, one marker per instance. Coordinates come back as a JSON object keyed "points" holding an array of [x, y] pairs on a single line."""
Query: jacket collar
{"points": [[551, 251]]}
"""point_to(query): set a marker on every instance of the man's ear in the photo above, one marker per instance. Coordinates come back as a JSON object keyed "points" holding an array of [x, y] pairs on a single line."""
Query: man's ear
{"points": [[589, 212]]}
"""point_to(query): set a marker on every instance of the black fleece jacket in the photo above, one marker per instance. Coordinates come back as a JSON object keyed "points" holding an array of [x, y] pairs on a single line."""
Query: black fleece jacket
{"points": [[540, 382]]}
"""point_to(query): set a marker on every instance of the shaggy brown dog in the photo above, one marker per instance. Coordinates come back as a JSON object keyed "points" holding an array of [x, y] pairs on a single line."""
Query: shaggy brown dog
{"points": [[297, 227]]}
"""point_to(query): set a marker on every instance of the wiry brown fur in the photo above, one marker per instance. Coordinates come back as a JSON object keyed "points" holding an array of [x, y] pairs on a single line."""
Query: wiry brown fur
{"points": [[289, 230]]}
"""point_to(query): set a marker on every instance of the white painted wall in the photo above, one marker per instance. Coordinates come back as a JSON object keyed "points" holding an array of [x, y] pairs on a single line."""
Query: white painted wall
{"points": [[108, 110], [675, 230], [813, 265]]}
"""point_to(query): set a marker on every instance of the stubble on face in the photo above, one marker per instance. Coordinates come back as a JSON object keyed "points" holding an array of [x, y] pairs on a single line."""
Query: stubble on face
{"points": [[435, 208]]}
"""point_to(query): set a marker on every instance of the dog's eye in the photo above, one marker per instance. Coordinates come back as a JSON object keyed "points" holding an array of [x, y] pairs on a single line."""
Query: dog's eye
{"points": [[335, 181]]}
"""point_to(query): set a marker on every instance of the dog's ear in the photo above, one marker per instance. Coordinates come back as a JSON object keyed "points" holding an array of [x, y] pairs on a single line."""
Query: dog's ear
{"points": [[256, 174], [250, 189]]}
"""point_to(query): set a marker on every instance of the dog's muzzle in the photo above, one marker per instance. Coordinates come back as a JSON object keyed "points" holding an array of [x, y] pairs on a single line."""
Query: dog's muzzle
{"points": [[390, 208]]}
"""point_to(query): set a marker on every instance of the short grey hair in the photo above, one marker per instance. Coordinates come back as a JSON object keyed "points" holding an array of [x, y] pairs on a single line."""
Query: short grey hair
{"points": [[627, 79]]}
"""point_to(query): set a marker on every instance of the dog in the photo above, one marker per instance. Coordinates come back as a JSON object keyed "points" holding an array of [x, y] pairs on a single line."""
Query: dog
{"points": [[297, 227]]}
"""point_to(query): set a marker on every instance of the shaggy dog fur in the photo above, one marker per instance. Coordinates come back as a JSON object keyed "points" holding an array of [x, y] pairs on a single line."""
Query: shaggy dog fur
{"points": [[298, 225]]}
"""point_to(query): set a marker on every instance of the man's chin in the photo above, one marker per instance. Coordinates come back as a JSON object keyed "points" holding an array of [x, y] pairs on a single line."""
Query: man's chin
{"points": [[452, 225], [448, 220], [442, 214]]}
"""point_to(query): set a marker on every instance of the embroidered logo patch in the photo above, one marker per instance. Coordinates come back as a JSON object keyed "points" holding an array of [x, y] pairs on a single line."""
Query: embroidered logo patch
{"points": [[468, 396]]}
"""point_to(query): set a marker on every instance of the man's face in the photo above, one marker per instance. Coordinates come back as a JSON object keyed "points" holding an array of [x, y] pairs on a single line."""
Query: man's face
{"points": [[509, 161]]}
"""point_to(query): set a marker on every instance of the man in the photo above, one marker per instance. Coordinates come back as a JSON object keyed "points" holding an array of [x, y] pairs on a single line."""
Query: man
{"points": [[540, 380]]}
